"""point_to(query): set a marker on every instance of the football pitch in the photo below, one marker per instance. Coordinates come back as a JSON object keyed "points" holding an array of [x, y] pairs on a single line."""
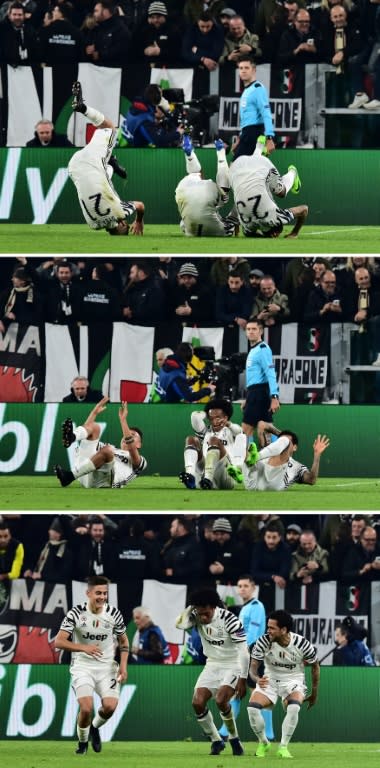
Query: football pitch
{"points": [[164, 239], [54, 754], [154, 493]]}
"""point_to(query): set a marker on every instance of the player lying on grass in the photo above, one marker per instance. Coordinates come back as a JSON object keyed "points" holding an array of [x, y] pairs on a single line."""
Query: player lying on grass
{"points": [[213, 448], [198, 200], [254, 180], [273, 468], [91, 172], [100, 465]]}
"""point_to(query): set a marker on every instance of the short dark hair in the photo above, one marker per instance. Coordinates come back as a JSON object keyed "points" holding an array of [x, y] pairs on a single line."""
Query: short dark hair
{"points": [[258, 322], [246, 577], [247, 57], [184, 351], [152, 94], [138, 430], [222, 404], [97, 581], [289, 433], [283, 619], [205, 16], [203, 597]]}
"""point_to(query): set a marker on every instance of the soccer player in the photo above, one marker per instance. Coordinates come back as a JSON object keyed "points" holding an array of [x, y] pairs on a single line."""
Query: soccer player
{"points": [[261, 382], [225, 673], [89, 632], [97, 464], [285, 655], [274, 468], [91, 172], [254, 180], [213, 448], [199, 199]]}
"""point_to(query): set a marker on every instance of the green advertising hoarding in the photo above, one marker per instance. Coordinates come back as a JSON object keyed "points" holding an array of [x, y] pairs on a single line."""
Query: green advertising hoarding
{"points": [[35, 188], [30, 435], [155, 705]]}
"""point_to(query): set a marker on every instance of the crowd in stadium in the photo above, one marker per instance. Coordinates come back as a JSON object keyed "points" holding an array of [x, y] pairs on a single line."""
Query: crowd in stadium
{"points": [[183, 549], [223, 291]]}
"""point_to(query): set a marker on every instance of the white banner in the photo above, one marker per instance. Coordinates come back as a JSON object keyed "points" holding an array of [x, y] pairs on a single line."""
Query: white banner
{"points": [[205, 337], [166, 602], [61, 364], [174, 78], [131, 356], [24, 108], [101, 90]]}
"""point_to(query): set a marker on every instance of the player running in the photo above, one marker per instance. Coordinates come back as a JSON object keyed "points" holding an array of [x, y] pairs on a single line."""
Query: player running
{"points": [[97, 464], [91, 172], [254, 180]]}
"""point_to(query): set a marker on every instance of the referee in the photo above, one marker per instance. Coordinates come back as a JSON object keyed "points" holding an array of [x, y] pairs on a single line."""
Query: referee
{"points": [[262, 388], [255, 114]]}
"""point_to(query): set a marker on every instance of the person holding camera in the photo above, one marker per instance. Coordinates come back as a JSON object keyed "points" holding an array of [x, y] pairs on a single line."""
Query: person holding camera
{"points": [[351, 650], [310, 563], [324, 302], [147, 122], [239, 40], [173, 384]]}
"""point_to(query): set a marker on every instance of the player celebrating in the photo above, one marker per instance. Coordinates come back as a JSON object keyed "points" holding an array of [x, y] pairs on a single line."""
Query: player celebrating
{"points": [[213, 448], [100, 465], [199, 199], [254, 179], [225, 673], [91, 172], [88, 631], [284, 654]]}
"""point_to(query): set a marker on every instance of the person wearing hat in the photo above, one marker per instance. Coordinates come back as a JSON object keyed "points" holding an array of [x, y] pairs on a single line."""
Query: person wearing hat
{"points": [[22, 303], [225, 557], [225, 17], [199, 200], [55, 560], [156, 41], [255, 276], [189, 300], [217, 443], [173, 384], [310, 563], [292, 535]]}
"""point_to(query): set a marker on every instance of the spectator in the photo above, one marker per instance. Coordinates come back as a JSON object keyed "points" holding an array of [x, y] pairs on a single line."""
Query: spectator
{"points": [[225, 557], [298, 281], [156, 43], [300, 43], [364, 301], [45, 136], [271, 560], [108, 42], [62, 295], [167, 269], [94, 553], [135, 12], [203, 43], [193, 9], [143, 301], [137, 556], [255, 277], [22, 304], [144, 125], [181, 556], [251, 528], [233, 302], [99, 302], [29, 6], [61, 43], [18, 40], [362, 562], [292, 536], [54, 563], [11, 554], [324, 302], [224, 18], [350, 651], [239, 40], [189, 301], [223, 265], [149, 646], [309, 562], [173, 384], [270, 306], [345, 543], [81, 392]]}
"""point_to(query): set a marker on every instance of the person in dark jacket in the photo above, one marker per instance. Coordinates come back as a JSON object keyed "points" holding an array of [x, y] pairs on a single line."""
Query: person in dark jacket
{"points": [[225, 558], [144, 124], [22, 303], [54, 562], [82, 393], [99, 301], [11, 554], [144, 298], [233, 302], [173, 384], [362, 562], [108, 42], [45, 136], [203, 43], [61, 295], [324, 302], [350, 651], [190, 300], [271, 559], [150, 646], [181, 555], [18, 39]]}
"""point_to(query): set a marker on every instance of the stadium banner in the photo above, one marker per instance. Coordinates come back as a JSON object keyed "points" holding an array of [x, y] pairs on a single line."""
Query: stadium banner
{"points": [[174, 78], [21, 364], [131, 373], [301, 356], [166, 602], [24, 113], [286, 114], [37, 702], [102, 87], [205, 337]]}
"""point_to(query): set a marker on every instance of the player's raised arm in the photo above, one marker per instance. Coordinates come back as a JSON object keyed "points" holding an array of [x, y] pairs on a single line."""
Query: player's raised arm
{"points": [[99, 407], [320, 444]]}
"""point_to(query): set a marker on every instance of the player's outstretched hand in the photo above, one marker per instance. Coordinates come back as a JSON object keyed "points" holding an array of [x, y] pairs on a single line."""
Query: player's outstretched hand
{"points": [[320, 444], [123, 411], [137, 228], [101, 405]]}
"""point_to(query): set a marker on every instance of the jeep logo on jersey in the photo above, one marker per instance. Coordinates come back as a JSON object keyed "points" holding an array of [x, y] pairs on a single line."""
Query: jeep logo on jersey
{"points": [[89, 636]]}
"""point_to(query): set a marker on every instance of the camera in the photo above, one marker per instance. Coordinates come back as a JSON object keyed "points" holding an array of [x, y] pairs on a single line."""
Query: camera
{"points": [[193, 115], [224, 373]]}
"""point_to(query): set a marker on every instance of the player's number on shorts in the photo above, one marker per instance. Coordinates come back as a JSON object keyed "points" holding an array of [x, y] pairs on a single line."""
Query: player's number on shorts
{"points": [[113, 683], [246, 217], [97, 209]]}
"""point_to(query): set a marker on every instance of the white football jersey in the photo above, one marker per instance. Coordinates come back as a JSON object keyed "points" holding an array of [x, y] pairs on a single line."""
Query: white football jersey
{"points": [[226, 435], [282, 662], [265, 477], [254, 179], [94, 628], [220, 637], [124, 472]]}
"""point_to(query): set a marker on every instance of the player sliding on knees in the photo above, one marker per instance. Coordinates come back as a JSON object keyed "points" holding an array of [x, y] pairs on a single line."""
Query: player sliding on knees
{"points": [[91, 169], [97, 464]]}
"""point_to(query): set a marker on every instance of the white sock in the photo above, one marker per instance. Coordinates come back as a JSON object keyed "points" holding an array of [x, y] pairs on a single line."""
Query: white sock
{"points": [[289, 179], [208, 726], [190, 457], [80, 433], [229, 722], [212, 457], [98, 721], [85, 469], [96, 117], [192, 163], [257, 723], [83, 733], [289, 723], [274, 449]]}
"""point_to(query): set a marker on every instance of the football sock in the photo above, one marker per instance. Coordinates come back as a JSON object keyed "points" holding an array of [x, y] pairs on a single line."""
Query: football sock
{"points": [[212, 457], [289, 723], [87, 467], [229, 721], [98, 721], [274, 449], [206, 721], [95, 117], [190, 457], [80, 433], [192, 163], [288, 179], [257, 722], [83, 733]]}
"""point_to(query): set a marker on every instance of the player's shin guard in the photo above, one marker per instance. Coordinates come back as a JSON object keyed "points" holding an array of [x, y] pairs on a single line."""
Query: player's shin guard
{"points": [[257, 722], [212, 457], [190, 457], [235, 706], [229, 721], [290, 721], [206, 721]]}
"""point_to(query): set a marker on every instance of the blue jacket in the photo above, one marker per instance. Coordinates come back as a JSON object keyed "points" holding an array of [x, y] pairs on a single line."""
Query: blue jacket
{"points": [[355, 654], [153, 644], [174, 385], [140, 129]]}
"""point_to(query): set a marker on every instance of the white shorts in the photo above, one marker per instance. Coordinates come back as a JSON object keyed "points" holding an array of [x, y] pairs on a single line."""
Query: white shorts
{"points": [[100, 478], [103, 681], [214, 676], [282, 689]]}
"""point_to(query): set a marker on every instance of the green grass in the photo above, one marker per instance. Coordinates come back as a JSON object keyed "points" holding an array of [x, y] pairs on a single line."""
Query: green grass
{"points": [[166, 493], [149, 754], [160, 238]]}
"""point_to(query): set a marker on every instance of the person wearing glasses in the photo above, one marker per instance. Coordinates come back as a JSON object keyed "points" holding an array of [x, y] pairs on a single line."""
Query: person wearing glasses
{"points": [[362, 562], [324, 303]]}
